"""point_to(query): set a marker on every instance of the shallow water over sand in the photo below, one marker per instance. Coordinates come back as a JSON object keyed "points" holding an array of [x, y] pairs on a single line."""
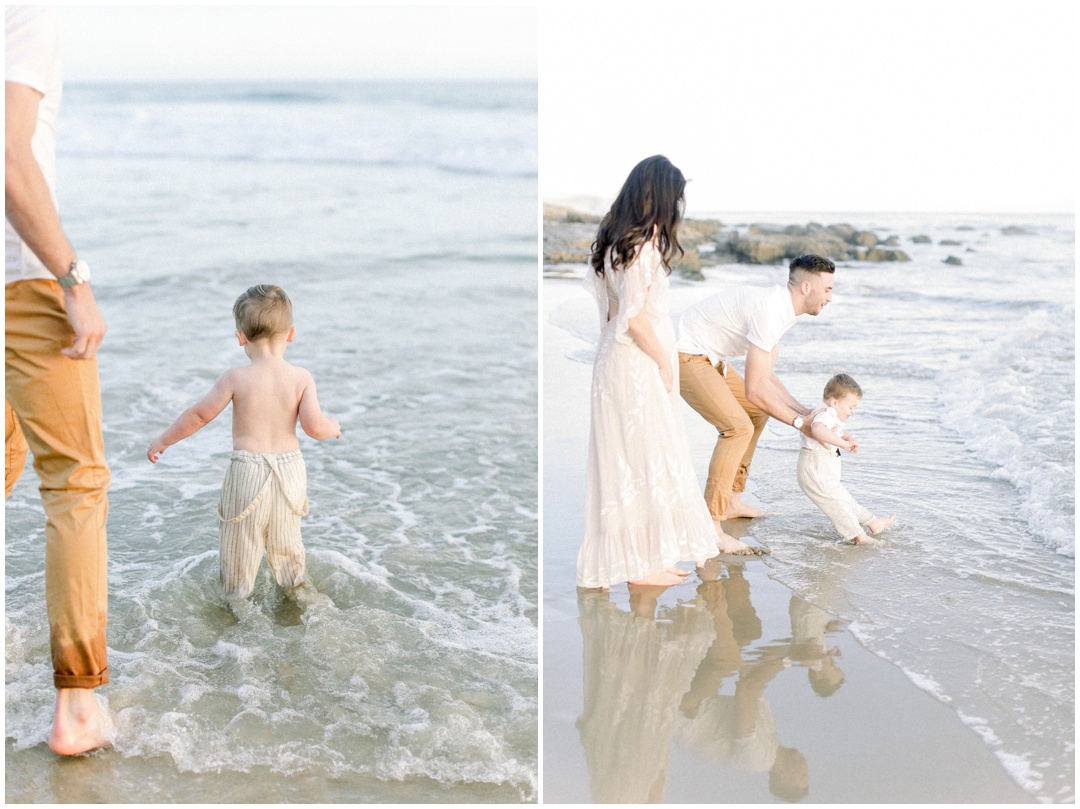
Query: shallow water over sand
{"points": [[966, 430], [415, 679]]}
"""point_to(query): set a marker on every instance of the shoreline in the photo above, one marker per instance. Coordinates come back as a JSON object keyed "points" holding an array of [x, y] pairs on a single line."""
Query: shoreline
{"points": [[680, 664]]}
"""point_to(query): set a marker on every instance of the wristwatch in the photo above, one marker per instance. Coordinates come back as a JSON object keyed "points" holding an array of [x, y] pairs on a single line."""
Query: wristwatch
{"points": [[797, 423], [78, 273]]}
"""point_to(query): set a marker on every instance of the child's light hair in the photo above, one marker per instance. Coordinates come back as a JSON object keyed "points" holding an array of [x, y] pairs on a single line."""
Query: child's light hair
{"points": [[263, 311], [841, 385]]}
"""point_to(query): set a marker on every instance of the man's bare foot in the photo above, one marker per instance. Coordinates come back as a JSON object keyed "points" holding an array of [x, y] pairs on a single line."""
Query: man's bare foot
{"points": [[879, 524], [678, 571], [80, 723], [737, 508], [734, 547], [659, 579], [863, 539]]}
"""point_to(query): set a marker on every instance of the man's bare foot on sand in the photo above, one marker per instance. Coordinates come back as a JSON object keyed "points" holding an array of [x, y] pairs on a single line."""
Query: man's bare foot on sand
{"points": [[879, 524], [80, 723], [863, 539], [737, 508], [731, 546], [659, 579]]}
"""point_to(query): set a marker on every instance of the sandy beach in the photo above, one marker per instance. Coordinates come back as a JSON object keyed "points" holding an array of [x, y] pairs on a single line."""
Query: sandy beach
{"points": [[727, 688]]}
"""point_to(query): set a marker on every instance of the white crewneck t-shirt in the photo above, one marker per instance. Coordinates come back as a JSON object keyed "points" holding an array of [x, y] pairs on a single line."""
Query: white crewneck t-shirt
{"points": [[32, 57], [724, 325]]}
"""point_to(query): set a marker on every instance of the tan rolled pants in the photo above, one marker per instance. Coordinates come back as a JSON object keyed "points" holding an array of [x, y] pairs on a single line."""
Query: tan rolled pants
{"points": [[53, 405], [721, 400]]}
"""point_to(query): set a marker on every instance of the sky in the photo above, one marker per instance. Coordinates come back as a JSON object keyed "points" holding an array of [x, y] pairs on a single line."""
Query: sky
{"points": [[817, 106], [766, 105], [310, 42]]}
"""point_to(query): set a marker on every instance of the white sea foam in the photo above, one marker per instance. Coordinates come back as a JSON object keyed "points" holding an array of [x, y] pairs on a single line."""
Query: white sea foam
{"points": [[1011, 401]]}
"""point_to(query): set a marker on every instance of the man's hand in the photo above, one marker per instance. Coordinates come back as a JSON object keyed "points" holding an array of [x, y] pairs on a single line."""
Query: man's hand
{"points": [[86, 321]]}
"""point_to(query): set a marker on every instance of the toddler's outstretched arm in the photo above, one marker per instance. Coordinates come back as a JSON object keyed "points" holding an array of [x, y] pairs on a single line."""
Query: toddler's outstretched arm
{"points": [[312, 420], [195, 417], [826, 436]]}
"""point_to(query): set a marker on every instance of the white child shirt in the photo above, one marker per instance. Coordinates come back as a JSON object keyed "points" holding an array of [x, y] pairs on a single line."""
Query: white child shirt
{"points": [[830, 419]]}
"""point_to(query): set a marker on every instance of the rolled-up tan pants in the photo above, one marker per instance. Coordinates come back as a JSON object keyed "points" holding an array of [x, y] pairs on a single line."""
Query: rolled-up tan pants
{"points": [[56, 404], [721, 400]]}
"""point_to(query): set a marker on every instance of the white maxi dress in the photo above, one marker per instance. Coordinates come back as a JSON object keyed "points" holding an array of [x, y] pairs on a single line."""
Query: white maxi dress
{"points": [[644, 510]]}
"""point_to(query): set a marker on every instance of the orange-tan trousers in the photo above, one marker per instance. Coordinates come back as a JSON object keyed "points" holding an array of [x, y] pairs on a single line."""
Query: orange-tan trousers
{"points": [[718, 394], [53, 407]]}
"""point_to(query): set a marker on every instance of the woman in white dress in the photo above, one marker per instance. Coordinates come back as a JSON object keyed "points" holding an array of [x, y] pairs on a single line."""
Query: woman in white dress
{"points": [[644, 511]]}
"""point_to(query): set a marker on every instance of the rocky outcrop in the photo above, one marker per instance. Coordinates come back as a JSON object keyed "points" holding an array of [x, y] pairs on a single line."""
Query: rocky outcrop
{"points": [[954, 261], [568, 235], [568, 238]]}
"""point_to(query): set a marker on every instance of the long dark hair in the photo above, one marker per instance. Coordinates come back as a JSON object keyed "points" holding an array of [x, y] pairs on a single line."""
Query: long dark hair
{"points": [[650, 199]]}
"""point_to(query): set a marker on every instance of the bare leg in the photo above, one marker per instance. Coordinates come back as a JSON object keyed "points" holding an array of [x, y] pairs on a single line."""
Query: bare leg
{"points": [[80, 723], [738, 508], [879, 524]]}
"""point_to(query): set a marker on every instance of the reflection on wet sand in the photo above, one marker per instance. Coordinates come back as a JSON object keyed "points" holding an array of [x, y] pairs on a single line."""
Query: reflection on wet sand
{"points": [[693, 674]]}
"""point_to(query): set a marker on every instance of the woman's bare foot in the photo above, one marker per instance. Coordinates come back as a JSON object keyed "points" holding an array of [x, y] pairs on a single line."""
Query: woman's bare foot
{"points": [[863, 539], [879, 524], [80, 723], [678, 571], [737, 508], [659, 579]]}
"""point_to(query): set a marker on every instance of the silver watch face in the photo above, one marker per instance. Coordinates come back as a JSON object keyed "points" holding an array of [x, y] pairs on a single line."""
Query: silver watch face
{"points": [[78, 274]]}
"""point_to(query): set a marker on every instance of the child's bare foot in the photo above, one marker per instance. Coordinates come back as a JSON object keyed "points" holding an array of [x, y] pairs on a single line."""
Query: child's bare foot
{"points": [[879, 524], [863, 539], [659, 579], [737, 508], [80, 723], [678, 571]]}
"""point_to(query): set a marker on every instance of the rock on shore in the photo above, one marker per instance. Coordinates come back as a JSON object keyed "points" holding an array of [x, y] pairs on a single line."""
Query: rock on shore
{"points": [[569, 234]]}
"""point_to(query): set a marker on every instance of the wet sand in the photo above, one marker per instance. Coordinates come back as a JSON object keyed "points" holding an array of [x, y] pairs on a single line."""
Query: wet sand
{"points": [[726, 688]]}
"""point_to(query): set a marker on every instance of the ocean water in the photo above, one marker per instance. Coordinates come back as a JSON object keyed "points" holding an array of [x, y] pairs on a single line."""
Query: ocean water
{"points": [[967, 432], [401, 219]]}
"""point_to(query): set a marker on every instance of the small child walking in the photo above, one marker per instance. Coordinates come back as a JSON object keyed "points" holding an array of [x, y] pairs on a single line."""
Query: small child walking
{"points": [[265, 490], [819, 464]]}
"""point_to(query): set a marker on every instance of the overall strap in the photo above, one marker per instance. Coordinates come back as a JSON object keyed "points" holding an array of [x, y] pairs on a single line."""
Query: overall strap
{"points": [[299, 512], [243, 515]]}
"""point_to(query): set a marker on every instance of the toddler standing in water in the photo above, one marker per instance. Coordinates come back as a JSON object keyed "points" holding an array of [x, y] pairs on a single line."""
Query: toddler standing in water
{"points": [[819, 464], [265, 490]]}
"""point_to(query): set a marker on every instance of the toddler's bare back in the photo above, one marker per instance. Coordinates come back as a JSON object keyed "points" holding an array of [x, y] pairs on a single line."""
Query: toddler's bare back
{"points": [[267, 397]]}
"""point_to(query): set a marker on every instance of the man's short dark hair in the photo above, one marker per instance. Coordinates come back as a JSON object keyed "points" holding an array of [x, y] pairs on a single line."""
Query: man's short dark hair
{"points": [[810, 263]]}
